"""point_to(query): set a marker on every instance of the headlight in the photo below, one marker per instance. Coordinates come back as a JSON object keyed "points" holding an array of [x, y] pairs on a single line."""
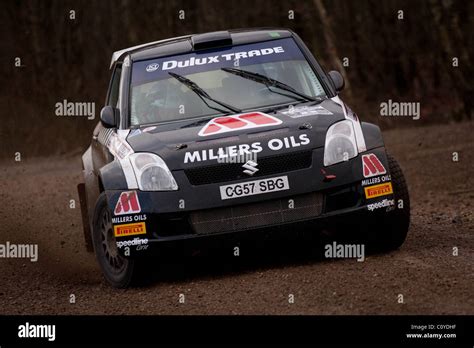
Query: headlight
{"points": [[152, 173], [340, 143]]}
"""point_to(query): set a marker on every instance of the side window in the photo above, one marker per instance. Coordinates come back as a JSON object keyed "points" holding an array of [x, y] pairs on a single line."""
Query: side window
{"points": [[113, 97]]}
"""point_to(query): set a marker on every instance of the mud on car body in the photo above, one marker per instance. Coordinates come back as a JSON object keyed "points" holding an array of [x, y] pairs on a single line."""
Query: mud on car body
{"points": [[233, 134]]}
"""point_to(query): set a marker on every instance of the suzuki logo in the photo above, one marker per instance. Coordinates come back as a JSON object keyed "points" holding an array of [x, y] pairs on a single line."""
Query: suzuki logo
{"points": [[372, 166], [152, 67], [250, 167]]}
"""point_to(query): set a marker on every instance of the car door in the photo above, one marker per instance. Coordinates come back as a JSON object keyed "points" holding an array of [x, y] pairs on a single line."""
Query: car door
{"points": [[101, 135]]}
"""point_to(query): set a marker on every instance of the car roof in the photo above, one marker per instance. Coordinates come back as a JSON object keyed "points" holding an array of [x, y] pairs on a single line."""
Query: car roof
{"points": [[183, 44]]}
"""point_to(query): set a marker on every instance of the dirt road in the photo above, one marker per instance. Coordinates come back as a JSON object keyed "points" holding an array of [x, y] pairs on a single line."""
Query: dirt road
{"points": [[36, 194]]}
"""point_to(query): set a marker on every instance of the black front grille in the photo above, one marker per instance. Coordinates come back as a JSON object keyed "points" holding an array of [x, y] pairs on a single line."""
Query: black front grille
{"points": [[256, 215], [234, 171]]}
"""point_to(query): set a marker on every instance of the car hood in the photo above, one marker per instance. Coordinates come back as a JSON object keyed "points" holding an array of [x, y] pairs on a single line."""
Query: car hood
{"points": [[189, 143]]}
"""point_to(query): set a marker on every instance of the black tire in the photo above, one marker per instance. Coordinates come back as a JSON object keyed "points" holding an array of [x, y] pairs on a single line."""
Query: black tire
{"points": [[119, 271], [392, 229]]}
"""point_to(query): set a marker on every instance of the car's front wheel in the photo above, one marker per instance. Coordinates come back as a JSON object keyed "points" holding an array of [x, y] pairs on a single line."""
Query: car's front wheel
{"points": [[118, 270]]}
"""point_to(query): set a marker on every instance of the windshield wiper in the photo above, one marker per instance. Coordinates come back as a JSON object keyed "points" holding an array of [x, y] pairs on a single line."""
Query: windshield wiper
{"points": [[269, 82], [203, 94], [198, 122]]}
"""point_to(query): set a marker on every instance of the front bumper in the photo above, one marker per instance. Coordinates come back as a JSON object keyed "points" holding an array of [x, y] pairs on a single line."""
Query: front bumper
{"points": [[196, 214]]}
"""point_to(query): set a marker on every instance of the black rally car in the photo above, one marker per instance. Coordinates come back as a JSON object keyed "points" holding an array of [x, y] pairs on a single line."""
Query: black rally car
{"points": [[230, 134]]}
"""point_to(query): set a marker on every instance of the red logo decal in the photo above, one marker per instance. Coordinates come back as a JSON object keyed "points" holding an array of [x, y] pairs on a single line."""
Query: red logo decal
{"points": [[372, 166], [127, 203], [238, 122]]}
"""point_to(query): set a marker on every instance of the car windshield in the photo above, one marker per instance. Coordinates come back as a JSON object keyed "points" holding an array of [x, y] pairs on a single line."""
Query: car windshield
{"points": [[225, 80]]}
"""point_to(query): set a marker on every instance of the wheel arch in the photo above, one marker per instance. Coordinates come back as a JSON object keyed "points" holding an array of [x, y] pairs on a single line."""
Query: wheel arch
{"points": [[112, 177], [87, 191], [372, 135]]}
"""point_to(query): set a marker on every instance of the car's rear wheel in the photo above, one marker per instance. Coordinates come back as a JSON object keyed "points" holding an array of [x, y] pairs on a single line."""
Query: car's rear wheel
{"points": [[391, 230], [118, 270]]}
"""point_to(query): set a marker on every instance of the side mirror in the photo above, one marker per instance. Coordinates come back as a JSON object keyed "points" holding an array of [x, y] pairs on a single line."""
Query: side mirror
{"points": [[109, 116], [337, 80]]}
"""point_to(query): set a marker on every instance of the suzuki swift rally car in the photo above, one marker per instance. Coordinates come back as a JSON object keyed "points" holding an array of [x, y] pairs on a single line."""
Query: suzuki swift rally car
{"points": [[233, 134]]}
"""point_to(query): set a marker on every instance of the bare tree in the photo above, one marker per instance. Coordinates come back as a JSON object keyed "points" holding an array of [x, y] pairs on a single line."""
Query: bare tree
{"points": [[330, 42]]}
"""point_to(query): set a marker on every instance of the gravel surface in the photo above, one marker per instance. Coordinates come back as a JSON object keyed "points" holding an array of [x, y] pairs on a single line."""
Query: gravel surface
{"points": [[36, 194]]}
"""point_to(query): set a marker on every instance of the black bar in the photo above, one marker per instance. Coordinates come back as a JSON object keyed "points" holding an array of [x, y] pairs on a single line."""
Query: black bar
{"points": [[242, 329]]}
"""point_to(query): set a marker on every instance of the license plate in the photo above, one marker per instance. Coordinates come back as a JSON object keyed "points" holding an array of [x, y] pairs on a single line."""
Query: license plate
{"points": [[256, 187]]}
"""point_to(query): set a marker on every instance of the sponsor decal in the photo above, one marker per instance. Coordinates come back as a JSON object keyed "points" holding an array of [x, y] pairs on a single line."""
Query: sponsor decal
{"points": [[129, 229], [303, 111], [372, 166], [239, 122], [378, 190], [134, 242], [126, 219], [127, 203], [173, 64], [376, 180], [284, 49], [386, 203], [118, 146], [221, 153], [213, 59], [152, 67]]}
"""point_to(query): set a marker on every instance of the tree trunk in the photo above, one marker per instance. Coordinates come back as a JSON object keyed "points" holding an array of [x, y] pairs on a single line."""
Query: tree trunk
{"points": [[330, 42]]}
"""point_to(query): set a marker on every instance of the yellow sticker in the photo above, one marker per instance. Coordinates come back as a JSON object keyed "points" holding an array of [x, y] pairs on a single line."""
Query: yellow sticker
{"points": [[129, 229], [378, 190]]}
